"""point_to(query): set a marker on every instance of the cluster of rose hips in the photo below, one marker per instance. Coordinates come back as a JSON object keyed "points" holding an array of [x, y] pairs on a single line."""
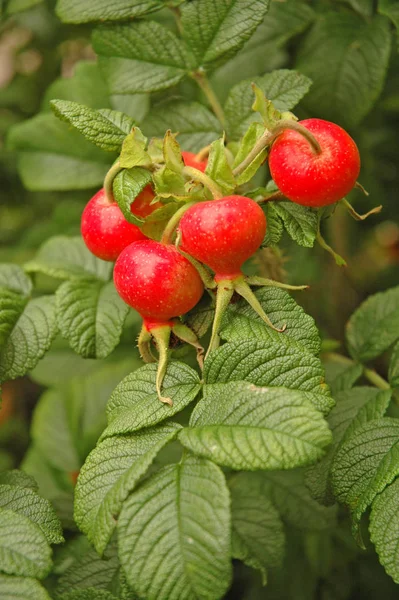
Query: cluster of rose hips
{"points": [[162, 281]]}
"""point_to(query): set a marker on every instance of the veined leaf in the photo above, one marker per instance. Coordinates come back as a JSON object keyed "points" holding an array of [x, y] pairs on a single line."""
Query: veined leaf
{"points": [[365, 464], [90, 315], [88, 594], [241, 322], [242, 426], [29, 338], [14, 588], [134, 404], [127, 186], [13, 278], [23, 547], [105, 128], [68, 258], [18, 478], [283, 87], [266, 363], [215, 31], [349, 74], [384, 528], [300, 222], [109, 474], [140, 57], [353, 408], [38, 510], [82, 11], [174, 533], [257, 530], [341, 376], [374, 326], [196, 125]]}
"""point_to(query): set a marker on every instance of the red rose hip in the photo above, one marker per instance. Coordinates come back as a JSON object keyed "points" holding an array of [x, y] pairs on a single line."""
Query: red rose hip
{"points": [[190, 161], [223, 233], [105, 230], [310, 178], [157, 281]]}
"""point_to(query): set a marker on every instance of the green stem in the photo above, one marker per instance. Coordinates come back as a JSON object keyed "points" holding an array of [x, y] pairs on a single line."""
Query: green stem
{"points": [[275, 197], [353, 213], [206, 181], [109, 181], [224, 294], [338, 259], [203, 153], [268, 138], [177, 14], [376, 379], [173, 223], [206, 275], [162, 336], [187, 335], [213, 100], [144, 344]]}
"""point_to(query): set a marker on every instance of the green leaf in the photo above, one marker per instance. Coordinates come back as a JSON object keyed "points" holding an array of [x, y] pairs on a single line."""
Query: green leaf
{"points": [[23, 547], [242, 426], [13, 278], [18, 478], [284, 21], [349, 74], [29, 338], [14, 588], [353, 408], [196, 125], [90, 315], [86, 86], [283, 87], [133, 153], [174, 533], [68, 258], [54, 157], [374, 326], [105, 128], [254, 132], [218, 167], [127, 185], [390, 8], [275, 227], [86, 569], [393, 374], [140, 57], [38, 510], [257, 530], [134, 404], [16, 6], [109, 475], [300, 222], [292, 499], [88, 594], [12, 305], [365, 464], [384, 529], [341, 376], [240, 321], [83, 11], [266, 363], [215, 31]]}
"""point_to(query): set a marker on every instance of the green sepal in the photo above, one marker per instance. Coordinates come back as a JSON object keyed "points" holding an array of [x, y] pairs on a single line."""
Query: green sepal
{"points": [[218, 168], [133, 152], [172, 153], [269, 113], [253, 133]]}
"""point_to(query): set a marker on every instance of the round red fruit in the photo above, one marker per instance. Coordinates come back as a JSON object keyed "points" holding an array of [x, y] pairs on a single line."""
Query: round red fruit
{"points": [[157, 281], [223, 233], [190, 161], [310, 178], [105, 230]]}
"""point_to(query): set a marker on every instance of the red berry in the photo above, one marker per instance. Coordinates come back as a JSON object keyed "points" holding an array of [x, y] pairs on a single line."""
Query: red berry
{"points": [[312, 179], [223, 234], [189, 161], [105, 230], [157, 280]]}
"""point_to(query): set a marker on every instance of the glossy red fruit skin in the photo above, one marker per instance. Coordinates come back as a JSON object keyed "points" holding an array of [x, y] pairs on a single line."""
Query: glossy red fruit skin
{"points": [[105, 230], [157, 281], [189, 161], [314, 179], [223, 233]]}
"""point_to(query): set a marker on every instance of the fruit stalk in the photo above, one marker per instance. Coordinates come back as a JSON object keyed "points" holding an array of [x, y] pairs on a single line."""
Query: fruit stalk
{"points": [[109, 181], [206, 181]]}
